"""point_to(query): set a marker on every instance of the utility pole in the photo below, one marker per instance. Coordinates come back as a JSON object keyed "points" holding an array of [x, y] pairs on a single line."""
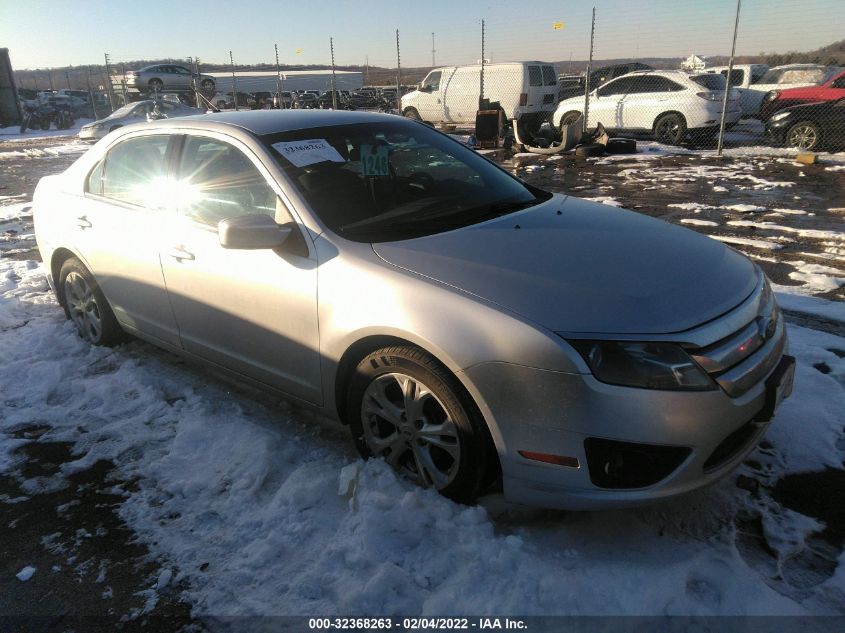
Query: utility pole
{"points": [[728, 84], [481, 87], [123, 83], [234, 81], [334, 81], [398, 75], [433, 50], [279, 79], [196, 68], [589, 70], [109, 85]]}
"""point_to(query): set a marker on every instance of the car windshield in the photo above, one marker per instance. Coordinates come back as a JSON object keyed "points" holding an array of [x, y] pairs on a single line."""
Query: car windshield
{"points": [[389, 180], [123, 111], [809, 76]]}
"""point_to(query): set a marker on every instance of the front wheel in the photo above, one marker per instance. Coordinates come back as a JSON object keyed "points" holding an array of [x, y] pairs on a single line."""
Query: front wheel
{"points": [[411, 113], [805, 136], [27, 118], [207, 85], [86, 305], [406, 407]]}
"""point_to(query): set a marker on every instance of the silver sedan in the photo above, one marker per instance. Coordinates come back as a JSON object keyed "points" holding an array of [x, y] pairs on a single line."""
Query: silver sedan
{"points": [[168, 77], [134, 113], [468, 328]]}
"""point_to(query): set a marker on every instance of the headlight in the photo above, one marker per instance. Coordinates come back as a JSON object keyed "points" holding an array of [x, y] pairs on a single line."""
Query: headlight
{"points": [[779, 115], [645, 365]]}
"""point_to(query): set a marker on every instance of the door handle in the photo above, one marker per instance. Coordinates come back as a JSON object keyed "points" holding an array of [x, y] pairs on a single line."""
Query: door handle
{"points": [[180, 254], [83, 222]]}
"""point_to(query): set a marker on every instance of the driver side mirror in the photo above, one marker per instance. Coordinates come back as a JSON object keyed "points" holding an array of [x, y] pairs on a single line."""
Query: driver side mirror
{"points": [[251, 232]]}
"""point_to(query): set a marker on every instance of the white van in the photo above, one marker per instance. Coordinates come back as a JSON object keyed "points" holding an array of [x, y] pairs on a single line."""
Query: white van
{"points": [[525, 90]]}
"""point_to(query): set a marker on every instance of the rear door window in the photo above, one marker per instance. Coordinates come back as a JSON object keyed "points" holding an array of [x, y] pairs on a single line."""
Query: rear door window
{"points": [[535, 76], [549, 76], [135, 171]]}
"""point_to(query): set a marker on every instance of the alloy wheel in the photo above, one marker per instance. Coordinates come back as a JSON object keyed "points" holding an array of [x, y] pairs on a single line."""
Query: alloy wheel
{"points": [[404, 422], [803, 136], [83, 308]]}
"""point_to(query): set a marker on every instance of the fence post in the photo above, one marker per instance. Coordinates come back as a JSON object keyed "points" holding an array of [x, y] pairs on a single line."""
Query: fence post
{"points": [[197, 82], [109, 85], [123, 83], [279, 79], [234, 81], [589, 70], [90, 92], [334, 81], [432, 51], [398, 76], [481, 76], [728, 85]]}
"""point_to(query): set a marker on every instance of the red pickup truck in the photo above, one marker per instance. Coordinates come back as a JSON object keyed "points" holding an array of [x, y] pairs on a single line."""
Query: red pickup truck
{"points": [[830, 90]]}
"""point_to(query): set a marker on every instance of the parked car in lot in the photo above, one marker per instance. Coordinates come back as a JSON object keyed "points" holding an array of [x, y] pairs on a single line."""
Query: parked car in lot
{"points": [[462, 323], [831, 90], [785, 77], [810, 126], [159, 77], [286, 100], [227, 100], [574, 85], [670, 104], [305, 100], [342, 101], [524, 90], [743, 76], [133, 113]]}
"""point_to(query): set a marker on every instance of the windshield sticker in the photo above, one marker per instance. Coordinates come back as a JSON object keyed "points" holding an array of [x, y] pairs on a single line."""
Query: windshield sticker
{"points": [[304, 153], [374, 160]]}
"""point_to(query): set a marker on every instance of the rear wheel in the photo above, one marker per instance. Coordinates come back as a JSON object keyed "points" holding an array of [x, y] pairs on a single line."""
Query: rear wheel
{"points": [[804, 135], [207, 85], [406, 407], [670, 129], [156, 85], [86, 306]]}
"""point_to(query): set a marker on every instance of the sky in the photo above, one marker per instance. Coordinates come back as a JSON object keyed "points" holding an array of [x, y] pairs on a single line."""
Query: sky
{"points": [[55, 33]]}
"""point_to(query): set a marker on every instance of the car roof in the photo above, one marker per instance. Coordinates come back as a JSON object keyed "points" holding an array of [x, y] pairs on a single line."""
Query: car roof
{"points": [[261, 122]]}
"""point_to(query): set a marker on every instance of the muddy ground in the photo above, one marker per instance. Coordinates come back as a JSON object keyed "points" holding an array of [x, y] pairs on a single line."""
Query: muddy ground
{"points": [[89, 564]]}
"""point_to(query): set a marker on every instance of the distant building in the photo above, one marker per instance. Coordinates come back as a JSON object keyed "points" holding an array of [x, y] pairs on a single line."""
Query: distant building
{"points": [[266, 81], [694, 62]]}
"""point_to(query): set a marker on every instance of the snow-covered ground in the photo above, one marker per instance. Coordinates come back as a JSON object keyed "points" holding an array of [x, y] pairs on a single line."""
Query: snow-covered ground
{"points": [[12, 134], [258, 508]]}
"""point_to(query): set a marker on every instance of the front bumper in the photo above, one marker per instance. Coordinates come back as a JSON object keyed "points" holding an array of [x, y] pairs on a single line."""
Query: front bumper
{"points": [[541, 411]]}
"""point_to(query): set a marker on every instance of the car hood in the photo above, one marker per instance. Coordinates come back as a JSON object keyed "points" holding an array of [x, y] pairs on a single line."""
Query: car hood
{"points": [[576, 266]]}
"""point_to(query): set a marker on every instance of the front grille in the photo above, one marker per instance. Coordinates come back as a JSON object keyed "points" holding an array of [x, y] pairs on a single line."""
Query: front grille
{"points": [[729, 360], [617, 465]]}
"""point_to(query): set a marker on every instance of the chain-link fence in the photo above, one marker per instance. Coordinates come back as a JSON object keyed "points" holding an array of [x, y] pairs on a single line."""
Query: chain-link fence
{"points": [[682, 73]]}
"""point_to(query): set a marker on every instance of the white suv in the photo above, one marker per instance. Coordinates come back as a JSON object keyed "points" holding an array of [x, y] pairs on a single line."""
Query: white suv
{"points": [[667, 103]]}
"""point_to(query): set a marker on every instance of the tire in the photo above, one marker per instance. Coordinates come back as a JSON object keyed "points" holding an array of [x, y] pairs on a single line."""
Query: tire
{"points": [[590, 149], [621, 146], [25, 121], [86, 306], [45, 124], [804, 135], [411, 113], [569, 118], [155, 85], [207, 85], [446, 445], [670, 129]]}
